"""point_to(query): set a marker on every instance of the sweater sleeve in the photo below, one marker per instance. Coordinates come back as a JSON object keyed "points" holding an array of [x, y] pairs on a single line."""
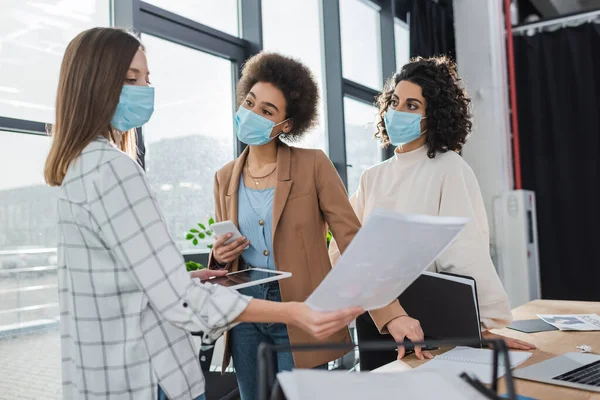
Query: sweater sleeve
{"points": [[469, 254], [382, 316], [357, 201]]}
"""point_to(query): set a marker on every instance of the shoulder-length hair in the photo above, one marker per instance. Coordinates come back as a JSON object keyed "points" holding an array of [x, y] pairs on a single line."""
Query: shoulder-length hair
{"points": [[92, 75]]}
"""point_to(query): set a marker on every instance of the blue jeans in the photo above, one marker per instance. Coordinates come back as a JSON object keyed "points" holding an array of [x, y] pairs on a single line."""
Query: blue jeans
{"points": [[163, 396], [245, 339]]}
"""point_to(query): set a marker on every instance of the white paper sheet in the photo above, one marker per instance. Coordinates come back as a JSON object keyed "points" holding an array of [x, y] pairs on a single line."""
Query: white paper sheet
{"points": [[393, 367], [573, 322], [389, 252], [477, 362], [302, 384]]}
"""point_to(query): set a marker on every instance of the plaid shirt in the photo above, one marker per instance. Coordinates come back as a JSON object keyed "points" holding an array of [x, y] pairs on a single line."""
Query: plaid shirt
{"points": [[126, 300]]}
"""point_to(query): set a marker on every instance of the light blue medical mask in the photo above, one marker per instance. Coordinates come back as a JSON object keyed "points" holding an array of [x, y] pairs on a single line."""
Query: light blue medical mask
{"points": [[136, 105], [252, 129], [402, 127]]}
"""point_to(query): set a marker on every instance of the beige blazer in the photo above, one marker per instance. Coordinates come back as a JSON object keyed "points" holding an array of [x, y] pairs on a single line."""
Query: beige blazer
{"points": [[309, 197]]}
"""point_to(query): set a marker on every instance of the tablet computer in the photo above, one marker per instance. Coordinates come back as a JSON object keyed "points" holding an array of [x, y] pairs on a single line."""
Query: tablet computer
{"points": [[248, 277]]}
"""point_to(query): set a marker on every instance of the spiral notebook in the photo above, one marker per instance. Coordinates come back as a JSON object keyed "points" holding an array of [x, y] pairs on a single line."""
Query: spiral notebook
{"points": [[478, 362]]}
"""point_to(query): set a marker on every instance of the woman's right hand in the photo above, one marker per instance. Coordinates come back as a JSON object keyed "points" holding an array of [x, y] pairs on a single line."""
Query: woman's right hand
{"points": [[405, 327], [322, 325], [227, 253]]}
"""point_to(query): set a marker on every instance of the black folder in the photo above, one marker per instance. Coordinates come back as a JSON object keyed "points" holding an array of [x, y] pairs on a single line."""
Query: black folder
{"points": [[445, 304]]}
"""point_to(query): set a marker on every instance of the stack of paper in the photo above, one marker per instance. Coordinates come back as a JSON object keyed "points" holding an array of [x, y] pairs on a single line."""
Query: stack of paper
{"points": [[302, 384], [477, 362]]}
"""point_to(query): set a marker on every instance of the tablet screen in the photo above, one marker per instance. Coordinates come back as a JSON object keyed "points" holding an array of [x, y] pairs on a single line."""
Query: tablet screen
{"points": [[242, 277]]}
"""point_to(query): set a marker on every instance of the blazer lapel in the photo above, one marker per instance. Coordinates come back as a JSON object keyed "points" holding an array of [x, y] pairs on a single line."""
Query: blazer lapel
{"points": [[283, 185], [231, 197]]}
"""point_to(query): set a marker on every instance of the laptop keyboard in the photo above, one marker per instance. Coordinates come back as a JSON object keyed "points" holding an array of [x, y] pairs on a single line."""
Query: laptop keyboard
{"points": [[586, 375]]}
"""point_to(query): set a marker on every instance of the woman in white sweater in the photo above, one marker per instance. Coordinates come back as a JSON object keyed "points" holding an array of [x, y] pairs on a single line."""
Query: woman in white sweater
{"points": [[424, 112]]}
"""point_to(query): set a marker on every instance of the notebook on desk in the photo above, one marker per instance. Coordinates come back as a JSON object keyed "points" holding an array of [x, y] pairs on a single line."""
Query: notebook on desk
{"points": [[477, 362]]}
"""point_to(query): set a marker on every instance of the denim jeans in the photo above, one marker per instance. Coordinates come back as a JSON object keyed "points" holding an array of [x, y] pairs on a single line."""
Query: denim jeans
{"points": [[163, 396], [245, 339]]}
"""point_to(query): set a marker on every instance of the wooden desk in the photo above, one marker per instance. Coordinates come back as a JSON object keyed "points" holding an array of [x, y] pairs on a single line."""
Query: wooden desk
{"points": [[549, 344]]}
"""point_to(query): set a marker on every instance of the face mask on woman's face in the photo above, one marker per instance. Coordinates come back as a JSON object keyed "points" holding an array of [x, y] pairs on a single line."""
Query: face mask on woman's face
{"points": [[402, 127], [252, 129], [136, 105]]}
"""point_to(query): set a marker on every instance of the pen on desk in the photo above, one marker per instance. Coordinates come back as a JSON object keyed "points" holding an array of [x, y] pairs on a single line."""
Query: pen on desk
{"points": [[410, 349]]}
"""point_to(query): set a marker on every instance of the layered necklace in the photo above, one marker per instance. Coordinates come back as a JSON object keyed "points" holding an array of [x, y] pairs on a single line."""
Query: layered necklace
{"points": [[258, 179]]}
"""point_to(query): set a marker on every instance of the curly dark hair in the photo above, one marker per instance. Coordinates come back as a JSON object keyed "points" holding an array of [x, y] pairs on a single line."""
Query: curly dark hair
{"points": [[448, 104], [295, 81]]}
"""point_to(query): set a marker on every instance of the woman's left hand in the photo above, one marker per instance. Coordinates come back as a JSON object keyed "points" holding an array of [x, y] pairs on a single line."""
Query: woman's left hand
{"points": [[204, 274], [514, 344]]}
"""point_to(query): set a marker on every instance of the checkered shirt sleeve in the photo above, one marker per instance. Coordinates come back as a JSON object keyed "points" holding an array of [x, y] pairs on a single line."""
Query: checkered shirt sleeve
{"points": [[130, 223]]}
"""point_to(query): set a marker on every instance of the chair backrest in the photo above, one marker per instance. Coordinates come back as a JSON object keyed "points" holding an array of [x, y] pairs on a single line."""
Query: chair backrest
{"points": [[367, 331]]}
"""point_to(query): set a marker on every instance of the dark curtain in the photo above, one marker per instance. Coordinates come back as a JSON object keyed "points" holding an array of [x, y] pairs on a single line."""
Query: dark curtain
{"points": [[431, 28], [558, 93]]}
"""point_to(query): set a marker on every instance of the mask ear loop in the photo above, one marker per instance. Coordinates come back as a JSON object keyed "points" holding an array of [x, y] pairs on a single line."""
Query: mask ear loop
{"points": [[281, 132]]}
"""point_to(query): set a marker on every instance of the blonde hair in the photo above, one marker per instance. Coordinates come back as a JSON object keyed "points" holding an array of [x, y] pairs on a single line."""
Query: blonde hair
{"points": [[92, 75]]}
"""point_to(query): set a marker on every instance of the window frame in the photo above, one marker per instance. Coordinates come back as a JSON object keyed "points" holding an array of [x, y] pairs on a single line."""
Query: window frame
{"points": [[146, 18]]}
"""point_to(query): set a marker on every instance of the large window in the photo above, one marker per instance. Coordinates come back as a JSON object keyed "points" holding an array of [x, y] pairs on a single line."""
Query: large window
{"points": [[28, 286], [218, 14], [361, 44], [298, 37], [401, 38], [190, 135], [362, 150], [33, 38]]}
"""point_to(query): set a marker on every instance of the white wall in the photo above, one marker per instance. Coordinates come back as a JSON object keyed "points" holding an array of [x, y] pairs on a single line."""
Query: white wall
{"points": [[481, 58]]}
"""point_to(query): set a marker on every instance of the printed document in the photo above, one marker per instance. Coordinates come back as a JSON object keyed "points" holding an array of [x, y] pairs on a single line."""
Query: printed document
{"points": [[573, 322], [387, 254]]}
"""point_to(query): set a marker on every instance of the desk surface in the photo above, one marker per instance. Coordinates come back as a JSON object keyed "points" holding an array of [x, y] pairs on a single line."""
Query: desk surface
{"points": [[549, 344]]}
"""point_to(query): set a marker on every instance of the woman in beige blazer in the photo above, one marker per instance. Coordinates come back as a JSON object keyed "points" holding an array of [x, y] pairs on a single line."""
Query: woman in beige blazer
{"points": [[283, 199]]}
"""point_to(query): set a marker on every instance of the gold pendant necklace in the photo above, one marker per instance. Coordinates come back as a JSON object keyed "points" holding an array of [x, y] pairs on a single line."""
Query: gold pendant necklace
{"points": [[257, 179]]}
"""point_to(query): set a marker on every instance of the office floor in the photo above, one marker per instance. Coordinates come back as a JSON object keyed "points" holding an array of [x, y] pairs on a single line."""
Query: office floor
{"points": [[30, 367]]}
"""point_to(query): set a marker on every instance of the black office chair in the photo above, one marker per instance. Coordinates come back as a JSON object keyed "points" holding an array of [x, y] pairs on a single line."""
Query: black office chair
{"points": [[367, 332], [218, 386]]}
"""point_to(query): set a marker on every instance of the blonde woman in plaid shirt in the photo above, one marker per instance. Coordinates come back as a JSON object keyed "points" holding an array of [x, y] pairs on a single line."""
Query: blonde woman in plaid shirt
{"points": [[127, 303]]}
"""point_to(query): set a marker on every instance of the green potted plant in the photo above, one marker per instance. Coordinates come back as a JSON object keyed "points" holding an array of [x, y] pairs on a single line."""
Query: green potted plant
{"points": [[195, 235]]}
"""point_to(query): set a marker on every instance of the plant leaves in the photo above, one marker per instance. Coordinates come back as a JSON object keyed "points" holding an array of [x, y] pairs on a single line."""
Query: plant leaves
{"points": [[210, 246], [211, 221], [202, 226], [202, 235], [195, 241], [191, 266], [209, 233], [189, 236], [194, 231]]}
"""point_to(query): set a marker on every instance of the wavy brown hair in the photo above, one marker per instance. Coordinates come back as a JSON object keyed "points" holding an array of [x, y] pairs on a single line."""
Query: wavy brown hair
{"points": [[92, 75], [448, 104], [296, 82]]}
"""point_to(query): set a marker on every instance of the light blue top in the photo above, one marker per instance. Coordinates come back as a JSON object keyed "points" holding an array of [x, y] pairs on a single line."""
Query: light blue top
{"points": [[255, 217]]}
